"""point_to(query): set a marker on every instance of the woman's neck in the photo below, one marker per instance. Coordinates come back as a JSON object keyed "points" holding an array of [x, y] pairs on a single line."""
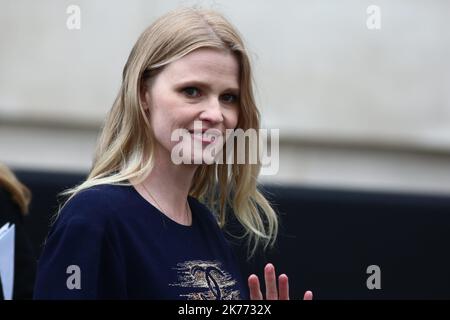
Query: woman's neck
{"points": [[167, 187]]}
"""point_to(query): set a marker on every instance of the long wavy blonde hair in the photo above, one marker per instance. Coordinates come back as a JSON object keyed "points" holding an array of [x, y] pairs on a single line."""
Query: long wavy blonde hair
{"points": [[125, 148], [20, 194]]}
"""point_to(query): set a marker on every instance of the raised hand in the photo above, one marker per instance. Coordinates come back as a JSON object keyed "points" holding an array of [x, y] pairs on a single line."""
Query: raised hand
{"points": [[272, 293]]}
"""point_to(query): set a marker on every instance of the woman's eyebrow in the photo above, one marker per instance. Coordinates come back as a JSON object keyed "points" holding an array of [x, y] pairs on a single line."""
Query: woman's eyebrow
{"points": [[204, 85]]}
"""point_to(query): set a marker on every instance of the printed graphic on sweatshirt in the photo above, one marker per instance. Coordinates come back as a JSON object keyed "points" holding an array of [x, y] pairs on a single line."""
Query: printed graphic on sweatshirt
{"points": [[208, 280]]}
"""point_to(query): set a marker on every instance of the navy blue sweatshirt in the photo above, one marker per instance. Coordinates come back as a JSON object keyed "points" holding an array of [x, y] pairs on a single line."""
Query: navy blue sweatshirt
{"points": [[110, 243]]}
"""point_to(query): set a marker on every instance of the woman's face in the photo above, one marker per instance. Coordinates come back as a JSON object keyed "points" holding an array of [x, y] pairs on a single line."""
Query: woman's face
{"points": [[201, 88]]}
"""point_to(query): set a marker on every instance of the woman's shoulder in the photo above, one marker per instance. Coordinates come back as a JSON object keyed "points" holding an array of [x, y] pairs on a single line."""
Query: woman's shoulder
{"points": [[98, 195], [96, 204]]}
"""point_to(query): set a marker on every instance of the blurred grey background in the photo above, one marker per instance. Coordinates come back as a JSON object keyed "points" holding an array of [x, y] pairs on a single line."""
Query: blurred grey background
{"points": [[356, 107]]}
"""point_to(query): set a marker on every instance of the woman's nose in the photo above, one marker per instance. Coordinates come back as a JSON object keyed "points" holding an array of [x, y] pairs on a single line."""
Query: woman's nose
{"points": [[212, 112]]}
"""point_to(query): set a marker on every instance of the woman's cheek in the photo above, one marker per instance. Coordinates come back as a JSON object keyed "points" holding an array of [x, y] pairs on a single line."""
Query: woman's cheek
{"points": [[233, 118]]}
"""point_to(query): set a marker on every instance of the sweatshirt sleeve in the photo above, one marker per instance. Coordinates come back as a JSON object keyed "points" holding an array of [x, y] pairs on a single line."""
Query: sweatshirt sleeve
{"points": [[80, 260]]}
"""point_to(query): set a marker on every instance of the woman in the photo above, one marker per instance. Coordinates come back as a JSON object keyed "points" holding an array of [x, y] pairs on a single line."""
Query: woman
{"points": [[141, 226], [14, 200]]}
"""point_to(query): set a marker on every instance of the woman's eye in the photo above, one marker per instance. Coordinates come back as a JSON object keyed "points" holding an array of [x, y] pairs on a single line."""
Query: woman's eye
{"points": [[191, 92], [229, 98]]}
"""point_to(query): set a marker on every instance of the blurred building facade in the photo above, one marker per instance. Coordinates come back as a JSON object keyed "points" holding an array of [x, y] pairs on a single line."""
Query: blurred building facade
{"points": [[356, 107]]}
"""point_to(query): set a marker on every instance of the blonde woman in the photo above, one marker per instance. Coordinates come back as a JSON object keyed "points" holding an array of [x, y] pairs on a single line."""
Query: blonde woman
{"points": [[142, 226], [14, 201]]}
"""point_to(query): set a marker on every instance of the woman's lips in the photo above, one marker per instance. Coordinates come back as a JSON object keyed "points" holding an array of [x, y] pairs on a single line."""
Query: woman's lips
{"points": [[205, 137]]}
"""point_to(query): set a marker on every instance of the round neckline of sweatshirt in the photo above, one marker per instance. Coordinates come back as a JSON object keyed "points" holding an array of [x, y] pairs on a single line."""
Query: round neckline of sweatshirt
{"points": [[163, 215]]}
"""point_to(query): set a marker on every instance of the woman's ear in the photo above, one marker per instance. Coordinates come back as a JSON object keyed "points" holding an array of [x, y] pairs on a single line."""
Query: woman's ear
{"points": [[144, 96]]}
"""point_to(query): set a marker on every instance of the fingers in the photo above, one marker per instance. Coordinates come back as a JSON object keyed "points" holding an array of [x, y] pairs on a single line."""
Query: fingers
{"points": [[272, 293], [271, 282], [283, 286], [255, 291], [308, 295]]}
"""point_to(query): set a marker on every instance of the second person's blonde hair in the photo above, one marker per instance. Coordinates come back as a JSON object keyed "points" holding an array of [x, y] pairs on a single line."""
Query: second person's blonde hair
{"points": [[20, 194]]}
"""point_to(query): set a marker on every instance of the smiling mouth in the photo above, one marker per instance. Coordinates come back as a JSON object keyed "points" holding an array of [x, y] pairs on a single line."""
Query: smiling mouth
{"points": [[203, 136]]}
